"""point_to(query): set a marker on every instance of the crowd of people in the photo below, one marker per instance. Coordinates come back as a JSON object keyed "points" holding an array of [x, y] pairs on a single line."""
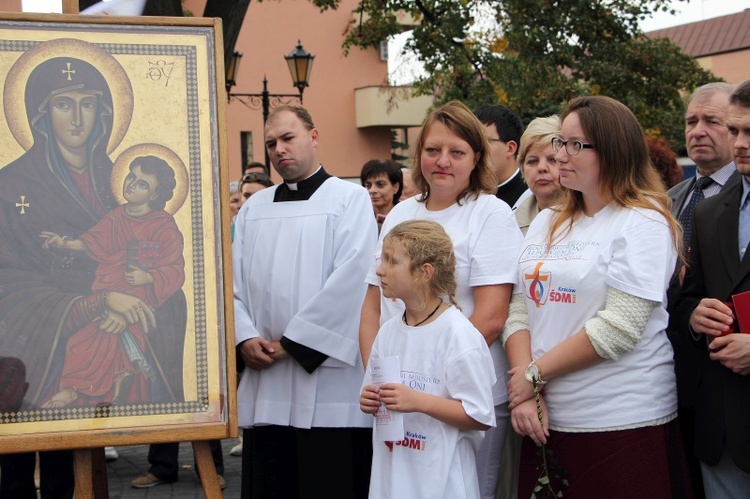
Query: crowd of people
{"points": [[554, 294], [579, 312]]}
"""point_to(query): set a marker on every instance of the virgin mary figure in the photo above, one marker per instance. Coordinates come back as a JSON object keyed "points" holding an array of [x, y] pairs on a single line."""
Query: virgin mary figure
{"points": [[61, 183]]}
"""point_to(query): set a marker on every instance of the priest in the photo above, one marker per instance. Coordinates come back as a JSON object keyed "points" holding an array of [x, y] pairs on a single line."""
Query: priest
{"points": [[301, 252]]}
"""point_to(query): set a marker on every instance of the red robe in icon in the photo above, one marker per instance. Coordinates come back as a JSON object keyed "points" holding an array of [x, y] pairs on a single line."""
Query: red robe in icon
{"points": [[97, 362]]}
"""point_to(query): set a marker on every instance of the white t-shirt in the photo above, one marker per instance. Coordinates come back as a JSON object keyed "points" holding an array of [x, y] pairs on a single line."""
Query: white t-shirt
{"points": [[629, 249], [486, 241], [447, 358]]}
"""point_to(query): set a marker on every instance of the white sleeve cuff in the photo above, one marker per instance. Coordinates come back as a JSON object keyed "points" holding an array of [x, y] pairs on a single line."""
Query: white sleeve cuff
{"points": [[518, 317]]}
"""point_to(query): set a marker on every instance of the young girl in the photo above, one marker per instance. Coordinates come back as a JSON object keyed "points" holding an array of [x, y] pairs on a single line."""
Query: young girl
{"points": [[446, 373]]}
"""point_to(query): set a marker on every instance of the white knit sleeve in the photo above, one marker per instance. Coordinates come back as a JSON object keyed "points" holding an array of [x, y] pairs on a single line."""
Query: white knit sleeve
{"points": [[518, 317], [618, 328]]}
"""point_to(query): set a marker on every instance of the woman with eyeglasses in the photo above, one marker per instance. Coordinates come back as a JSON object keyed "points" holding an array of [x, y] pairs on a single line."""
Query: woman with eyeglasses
{"points": [[587, 324], [452, 170]]}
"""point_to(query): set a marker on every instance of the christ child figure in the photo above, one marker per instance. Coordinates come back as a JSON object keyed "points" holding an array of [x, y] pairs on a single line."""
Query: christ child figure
{"points": [[138, 248]]}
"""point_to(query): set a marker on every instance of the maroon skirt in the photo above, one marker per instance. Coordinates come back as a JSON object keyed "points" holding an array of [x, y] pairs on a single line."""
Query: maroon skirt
{"points": [[643, 462]]}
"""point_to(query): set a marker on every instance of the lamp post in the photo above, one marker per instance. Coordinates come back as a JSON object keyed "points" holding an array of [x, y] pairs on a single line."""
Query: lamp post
{"points": [[300, 64]]}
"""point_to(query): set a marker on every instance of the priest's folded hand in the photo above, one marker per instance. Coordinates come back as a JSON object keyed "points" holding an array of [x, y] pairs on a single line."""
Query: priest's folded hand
{"points": [[257, 353], [277, 351]]}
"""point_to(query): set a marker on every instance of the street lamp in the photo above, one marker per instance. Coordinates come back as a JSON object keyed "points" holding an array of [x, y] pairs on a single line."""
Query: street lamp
{"points": [[234, 66], [300, 63]]}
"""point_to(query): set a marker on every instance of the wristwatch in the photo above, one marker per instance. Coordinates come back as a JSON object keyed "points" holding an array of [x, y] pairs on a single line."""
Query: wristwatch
{"points": [[533, 372]]}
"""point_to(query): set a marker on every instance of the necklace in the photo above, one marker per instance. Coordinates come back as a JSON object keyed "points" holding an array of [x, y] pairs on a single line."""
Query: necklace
{"points": [[425, 319]]}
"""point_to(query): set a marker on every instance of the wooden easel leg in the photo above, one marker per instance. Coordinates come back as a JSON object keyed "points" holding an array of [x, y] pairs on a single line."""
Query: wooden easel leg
{"points": [[70, 6], [206, 469], [101, 484], [91, 474], [84, 477]]}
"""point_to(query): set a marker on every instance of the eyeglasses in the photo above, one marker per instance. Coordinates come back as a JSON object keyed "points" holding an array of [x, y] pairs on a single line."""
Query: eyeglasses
{"points": [[496, 140], [572, 147]]}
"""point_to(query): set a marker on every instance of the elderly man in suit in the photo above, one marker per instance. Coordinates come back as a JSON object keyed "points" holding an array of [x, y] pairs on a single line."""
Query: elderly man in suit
{"points": [[707, 145], [707, 142], [719, 268]]}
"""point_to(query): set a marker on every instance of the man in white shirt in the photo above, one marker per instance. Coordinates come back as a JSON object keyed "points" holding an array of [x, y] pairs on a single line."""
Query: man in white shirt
{"points": [[301, 252]]}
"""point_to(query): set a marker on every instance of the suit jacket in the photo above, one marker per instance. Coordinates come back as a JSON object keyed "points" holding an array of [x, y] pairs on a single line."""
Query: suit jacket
{"points": [[688, 357], [679, 192], [511, 191], [715, 271]]}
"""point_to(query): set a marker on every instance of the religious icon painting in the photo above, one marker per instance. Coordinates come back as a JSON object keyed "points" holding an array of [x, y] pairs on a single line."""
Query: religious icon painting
{"points": [[113, 271]]}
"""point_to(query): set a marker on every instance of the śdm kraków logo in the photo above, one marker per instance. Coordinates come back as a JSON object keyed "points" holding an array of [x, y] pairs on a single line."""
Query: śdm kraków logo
{"points": [[539, 287], [537, 284]]}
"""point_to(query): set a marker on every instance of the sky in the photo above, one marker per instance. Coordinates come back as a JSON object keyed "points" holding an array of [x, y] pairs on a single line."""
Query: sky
{"points": [[694, 10]]}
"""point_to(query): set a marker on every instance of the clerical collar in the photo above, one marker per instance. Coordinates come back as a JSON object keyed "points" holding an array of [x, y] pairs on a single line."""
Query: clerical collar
{"points": [[302, 190], [510, 178]]}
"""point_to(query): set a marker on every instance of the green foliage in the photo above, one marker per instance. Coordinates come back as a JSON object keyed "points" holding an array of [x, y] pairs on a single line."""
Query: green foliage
{"points": [[535, 55], [397, 145], [324, 5]]}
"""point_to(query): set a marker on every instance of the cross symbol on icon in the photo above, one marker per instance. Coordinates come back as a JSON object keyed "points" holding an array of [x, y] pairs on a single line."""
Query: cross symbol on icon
{"points": [[23, 205], [68, 71]]}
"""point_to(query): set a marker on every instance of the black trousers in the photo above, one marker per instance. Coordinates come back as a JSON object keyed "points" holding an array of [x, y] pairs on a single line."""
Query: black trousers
{"points": [[56, 477], [163, 459], [287, 463]]}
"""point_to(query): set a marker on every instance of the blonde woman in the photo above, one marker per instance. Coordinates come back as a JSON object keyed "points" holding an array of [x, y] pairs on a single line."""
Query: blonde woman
{"points": [[537, 163]]}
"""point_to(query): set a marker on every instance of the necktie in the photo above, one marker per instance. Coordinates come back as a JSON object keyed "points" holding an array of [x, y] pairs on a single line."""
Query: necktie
{"points": [[686, 217]]}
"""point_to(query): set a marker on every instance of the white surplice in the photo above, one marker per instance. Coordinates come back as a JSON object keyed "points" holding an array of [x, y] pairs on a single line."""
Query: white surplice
{"points": [[299, 269]]}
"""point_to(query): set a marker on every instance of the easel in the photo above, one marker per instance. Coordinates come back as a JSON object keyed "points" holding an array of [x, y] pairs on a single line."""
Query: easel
{"points": [[90, 465], [91, 472]]}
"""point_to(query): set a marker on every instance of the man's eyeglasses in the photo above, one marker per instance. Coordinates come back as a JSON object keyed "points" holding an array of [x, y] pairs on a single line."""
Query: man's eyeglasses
{"points": [[496, 140], [572, 147]]}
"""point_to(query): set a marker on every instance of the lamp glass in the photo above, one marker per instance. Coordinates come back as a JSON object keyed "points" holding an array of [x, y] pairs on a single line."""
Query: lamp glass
{"points": [[300, 64]]}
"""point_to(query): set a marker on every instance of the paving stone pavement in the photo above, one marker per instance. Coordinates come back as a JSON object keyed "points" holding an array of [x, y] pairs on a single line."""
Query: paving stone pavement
{"points": [[133, 462]]}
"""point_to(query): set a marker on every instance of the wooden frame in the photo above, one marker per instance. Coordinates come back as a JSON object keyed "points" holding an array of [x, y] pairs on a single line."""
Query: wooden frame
{"points": [[152, 87]]}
